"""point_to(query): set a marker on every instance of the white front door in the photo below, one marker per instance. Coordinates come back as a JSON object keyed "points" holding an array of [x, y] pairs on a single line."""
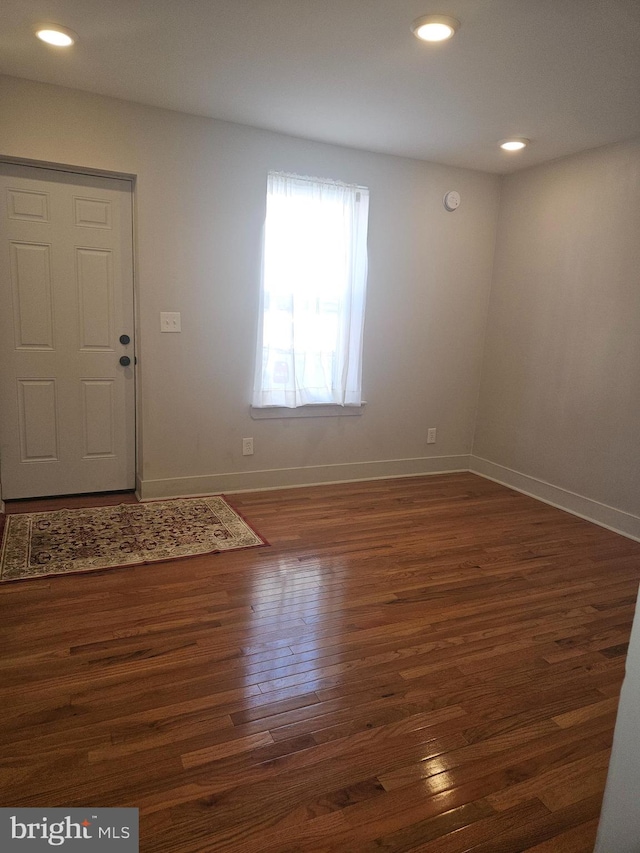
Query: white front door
{"points": [[67, 404]]}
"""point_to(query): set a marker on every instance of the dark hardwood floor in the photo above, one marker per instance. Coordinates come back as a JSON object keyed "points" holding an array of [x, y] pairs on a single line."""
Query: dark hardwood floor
{"points": [[428, 664]]}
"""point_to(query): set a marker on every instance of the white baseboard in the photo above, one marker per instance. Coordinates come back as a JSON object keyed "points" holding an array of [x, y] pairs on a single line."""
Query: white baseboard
{"points": [[280, 478], [605, 516], [613, 519]]}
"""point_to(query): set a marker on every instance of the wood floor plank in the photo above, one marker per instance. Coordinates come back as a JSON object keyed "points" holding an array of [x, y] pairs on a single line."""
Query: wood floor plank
{"points": [[427, 664], [551, 783], [580, 839], [467, 839]]}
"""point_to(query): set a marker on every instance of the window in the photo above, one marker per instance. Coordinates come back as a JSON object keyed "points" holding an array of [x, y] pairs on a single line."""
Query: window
{"points": [[313, 293]]}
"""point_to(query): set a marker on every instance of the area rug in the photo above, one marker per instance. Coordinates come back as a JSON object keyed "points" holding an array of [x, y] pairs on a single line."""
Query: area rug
{"points": [[37, 544]]}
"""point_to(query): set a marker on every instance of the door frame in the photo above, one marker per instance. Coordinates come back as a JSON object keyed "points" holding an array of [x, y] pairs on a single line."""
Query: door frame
{"points": [[131, 178]]}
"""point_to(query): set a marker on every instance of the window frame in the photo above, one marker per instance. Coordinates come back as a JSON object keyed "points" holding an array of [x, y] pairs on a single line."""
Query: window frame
{"points": [[352, 224]]}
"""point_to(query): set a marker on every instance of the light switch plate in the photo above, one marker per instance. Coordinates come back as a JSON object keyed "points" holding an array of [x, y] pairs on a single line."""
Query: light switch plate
{"points": [[170, 321]]}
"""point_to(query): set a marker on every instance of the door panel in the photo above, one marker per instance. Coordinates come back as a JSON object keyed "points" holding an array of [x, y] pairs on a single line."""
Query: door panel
{"points": [[32, 300], [66, 295], [38, 422], [98, 417], [95, 299]]}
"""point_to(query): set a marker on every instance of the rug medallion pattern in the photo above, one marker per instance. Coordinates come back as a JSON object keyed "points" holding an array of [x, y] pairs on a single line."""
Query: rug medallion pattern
{"points": [[81, 540]]}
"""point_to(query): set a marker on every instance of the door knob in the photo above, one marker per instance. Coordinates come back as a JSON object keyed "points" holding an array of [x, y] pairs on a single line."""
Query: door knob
{"points": [[125, 339], [125, 361]]}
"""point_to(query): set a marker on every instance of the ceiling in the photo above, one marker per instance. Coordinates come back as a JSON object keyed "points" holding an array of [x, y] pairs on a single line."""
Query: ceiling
{"points": [[565, 73]]}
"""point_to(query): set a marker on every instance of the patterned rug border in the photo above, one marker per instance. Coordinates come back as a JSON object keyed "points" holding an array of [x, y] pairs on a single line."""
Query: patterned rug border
{"points": [[4, 519], [238, 513]]}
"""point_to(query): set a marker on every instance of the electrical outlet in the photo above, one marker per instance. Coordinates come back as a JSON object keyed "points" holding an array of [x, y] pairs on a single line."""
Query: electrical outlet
{"points": [[247, 447], [431, 435]]}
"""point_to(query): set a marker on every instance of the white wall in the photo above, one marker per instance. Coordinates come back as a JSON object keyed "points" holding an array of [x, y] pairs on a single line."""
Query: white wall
{"points": [[200, 196], [619, 829], [560, 393]]}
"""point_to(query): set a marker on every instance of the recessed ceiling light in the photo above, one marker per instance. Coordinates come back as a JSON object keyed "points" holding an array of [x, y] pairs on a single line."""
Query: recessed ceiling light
{"points": [[516, 143], [56, 35], [434, 27]]}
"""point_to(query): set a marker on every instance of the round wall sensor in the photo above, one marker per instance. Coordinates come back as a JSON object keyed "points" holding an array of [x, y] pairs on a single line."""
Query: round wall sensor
{"points": [[451, 200]]}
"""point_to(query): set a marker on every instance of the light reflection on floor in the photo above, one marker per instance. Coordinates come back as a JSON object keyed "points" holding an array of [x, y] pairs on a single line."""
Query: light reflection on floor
{"points": [[291, 605], [439, 779]]}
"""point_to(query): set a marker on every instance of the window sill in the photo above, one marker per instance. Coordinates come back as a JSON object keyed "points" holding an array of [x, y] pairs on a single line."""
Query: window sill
{"points": [[324, 410]]}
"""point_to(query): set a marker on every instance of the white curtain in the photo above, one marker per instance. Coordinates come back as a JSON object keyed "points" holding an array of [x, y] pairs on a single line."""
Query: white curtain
{"points": [[313, 293]]}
